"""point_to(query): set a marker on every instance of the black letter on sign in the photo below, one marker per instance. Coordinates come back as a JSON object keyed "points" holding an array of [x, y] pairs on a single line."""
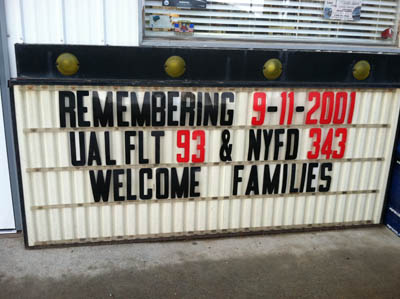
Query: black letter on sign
{"points": [[271, 186], [179, 189], [236, 178], [121, 109], [278, 142], [254, 145], [129, 195], [311, 177], [225, 152], [129, 146], [193, 182], [158, 110], [64, 109], [81, 108], [109, 161], [324, 177], [303, 176], [199, 108], [100, 188], [82, 147], [117, 184], [142, 172], [103, 117], [187, 97], [94, 152], [284, 178], [292, 138], [267, 142], [231, 97], [252, 185], [140, 117], [157, 135], [162, 172], [172, 108], [142, 160], [210, 110], [292, 188]]}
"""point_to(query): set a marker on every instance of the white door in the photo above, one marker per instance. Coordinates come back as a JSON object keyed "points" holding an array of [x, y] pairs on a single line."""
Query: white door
{"points": [[6, 209]]}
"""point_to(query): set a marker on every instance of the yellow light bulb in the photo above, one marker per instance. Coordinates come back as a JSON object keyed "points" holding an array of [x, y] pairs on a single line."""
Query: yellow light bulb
{"points": [[175, 66], [67, 64], [361, 70], [272, 69]]}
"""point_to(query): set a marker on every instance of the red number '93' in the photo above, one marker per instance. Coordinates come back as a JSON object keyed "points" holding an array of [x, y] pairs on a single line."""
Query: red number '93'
{"points": [[183, 141]]}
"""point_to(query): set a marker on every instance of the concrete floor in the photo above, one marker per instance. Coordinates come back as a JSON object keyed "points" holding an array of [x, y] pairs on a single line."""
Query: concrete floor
{"points": [[356, 263]]}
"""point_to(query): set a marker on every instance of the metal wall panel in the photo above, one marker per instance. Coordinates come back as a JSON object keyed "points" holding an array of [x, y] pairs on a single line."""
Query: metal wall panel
{"points": [[59, 205], [92, 22], [264, 20], [7, 221], [7, 115]]}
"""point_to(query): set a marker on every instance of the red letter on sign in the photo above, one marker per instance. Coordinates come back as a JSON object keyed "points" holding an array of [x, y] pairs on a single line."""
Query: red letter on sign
{"points": [[183, 141], [200, 137], [340, 108], [259, 107], [352, 103], [342, 143], [313, 95], [316, 144], [328, 98]]}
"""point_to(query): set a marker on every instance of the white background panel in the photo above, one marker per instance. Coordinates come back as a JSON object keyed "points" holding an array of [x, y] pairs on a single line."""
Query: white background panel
{"points": [[59, 201]]}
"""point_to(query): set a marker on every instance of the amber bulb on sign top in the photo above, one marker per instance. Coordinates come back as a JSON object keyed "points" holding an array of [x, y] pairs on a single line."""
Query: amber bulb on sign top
{"points": [[361, 70], [272, 69], [67, 64], [175, 66]]}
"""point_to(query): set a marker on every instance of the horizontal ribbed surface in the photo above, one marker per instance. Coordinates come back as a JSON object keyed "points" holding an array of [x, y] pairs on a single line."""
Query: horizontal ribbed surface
{"points": [[278, 21], [89, 22], [59, 203]]}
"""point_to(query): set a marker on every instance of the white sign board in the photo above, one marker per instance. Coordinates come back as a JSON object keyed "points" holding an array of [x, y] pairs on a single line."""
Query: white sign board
{"points": [[103, 163]]}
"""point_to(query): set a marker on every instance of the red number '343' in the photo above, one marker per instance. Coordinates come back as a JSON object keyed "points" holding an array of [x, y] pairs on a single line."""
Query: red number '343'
{"points": [[326, 147]]}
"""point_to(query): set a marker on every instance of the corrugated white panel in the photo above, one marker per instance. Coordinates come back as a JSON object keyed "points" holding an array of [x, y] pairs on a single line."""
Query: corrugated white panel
{"points": [[59, 202], [277, 20], [89, 22], [84, 22]]}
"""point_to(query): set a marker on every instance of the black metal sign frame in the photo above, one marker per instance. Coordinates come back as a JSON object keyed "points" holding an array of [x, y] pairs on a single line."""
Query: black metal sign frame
{"points": [[143, 66]]}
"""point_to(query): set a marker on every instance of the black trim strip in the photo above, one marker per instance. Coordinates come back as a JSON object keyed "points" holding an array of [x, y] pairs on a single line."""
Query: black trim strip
{"points": [[17, 157], [188, 83], [144, 66]]}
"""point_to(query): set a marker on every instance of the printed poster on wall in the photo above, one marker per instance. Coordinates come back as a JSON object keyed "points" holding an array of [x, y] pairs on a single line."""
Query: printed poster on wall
{"points": [[344, 10], [185, 3]]}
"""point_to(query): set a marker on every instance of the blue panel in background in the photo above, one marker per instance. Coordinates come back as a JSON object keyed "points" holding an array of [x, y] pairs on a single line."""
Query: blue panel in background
{"points": [[392, 214], [392, 221]]}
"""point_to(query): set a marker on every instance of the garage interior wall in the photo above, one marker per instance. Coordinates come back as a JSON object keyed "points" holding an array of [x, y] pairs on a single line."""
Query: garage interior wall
{"points": [[89, 22], [10, 213], [269, 20]]}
